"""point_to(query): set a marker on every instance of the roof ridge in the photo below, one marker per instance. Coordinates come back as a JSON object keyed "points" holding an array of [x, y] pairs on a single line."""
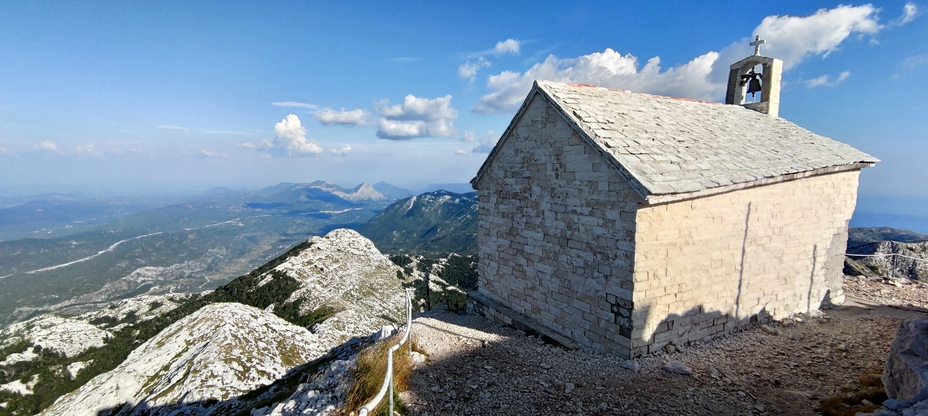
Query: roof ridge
{"points": [[685, 99]]}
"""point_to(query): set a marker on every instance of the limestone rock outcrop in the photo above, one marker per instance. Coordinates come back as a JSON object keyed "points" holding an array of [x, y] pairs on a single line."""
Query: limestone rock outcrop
{"points": [[906, 373]]}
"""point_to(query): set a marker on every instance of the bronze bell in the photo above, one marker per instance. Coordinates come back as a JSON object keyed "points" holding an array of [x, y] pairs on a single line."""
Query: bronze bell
{"points": [[753, 80], [754, 86]]}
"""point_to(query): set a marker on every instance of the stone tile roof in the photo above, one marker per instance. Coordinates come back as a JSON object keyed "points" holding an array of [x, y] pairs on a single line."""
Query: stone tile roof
{"points": [[681, 147]]}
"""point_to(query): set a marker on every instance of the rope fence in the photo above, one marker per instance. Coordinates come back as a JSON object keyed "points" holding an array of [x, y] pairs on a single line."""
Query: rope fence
{"points": [[387, 386], [907, 264], [887, 255]]}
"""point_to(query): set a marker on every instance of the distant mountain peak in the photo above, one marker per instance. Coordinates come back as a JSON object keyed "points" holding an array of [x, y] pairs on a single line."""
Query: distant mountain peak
{"points": [[433, 223], [362, 192]]}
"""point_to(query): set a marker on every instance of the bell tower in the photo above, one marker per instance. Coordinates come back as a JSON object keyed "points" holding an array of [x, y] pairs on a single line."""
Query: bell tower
{"points": [[767, 82]]}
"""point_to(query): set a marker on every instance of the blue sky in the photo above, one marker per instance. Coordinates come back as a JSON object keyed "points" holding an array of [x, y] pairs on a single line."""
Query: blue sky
{"points": [[153, 96]]}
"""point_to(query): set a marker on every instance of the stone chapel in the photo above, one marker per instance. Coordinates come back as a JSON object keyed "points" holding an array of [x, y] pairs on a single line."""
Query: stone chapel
{"points": [[624, 222]]}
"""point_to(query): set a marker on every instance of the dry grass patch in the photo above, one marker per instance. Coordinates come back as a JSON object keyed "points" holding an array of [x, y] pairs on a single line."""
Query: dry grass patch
{"points": [[371, 367], [865, 397]]}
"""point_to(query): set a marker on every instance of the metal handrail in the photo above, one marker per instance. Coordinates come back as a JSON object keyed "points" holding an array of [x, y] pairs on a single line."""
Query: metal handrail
{"points": [[388, 377]]}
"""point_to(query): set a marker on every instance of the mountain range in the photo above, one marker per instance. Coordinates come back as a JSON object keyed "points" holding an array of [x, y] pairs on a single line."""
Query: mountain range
{"points": [[431, 224]]}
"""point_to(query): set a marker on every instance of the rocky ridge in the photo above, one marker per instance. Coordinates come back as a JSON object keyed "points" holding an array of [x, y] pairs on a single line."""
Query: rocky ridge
{"points": [[345, 271], [219, 352], [72, 335]]}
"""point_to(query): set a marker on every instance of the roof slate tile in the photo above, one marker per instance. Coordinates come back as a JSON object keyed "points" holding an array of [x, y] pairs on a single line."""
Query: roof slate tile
{"points": [[681, 146]]}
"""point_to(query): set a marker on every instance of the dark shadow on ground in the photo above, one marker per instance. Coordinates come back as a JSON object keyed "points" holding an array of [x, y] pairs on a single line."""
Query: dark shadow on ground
{"points": [[758, 372]]}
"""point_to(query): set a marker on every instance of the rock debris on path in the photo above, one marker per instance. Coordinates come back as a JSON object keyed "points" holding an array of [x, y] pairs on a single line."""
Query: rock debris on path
{"points": [[476, 367]]}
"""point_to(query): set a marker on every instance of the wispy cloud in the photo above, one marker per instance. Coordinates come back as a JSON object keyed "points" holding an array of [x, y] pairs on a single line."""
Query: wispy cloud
{"points": [[487, 142], [295, 104], [341, 152], [174, 128], [87, 151], [826, 81], [909, 13], [46, 146], [356, 117], [228, 132], [264, 145], [206, 154], [468, 70], [507, 46], [917, 60]]}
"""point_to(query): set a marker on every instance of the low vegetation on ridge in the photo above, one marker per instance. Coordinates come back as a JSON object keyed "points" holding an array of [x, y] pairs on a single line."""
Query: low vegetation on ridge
{"points": [[50, 366]]}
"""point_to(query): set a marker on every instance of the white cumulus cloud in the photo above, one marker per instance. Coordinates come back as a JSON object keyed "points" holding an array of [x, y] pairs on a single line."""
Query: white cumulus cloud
{"points": [[468, 70], [355, 117], [789, 38], [793, 38], [506, 46], [826, 81], [291, 139], [416, 117], [461, 152], [607, 69]]}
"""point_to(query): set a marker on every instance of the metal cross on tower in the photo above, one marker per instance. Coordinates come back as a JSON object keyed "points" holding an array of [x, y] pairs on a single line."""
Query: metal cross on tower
{"points": [[756, 44]]}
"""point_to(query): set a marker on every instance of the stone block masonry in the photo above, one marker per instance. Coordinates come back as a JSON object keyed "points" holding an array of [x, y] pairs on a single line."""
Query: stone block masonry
{"points": [[556, 232], [709, 265]]}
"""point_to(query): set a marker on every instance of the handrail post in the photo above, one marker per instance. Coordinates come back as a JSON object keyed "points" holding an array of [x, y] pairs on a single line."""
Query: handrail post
{"points": [[388, 377], [390, 371], [409, 318]]}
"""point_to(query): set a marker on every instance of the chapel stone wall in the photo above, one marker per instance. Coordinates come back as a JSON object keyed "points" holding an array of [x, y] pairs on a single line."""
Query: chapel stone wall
{"points": [[710, 265], [556, 232]]}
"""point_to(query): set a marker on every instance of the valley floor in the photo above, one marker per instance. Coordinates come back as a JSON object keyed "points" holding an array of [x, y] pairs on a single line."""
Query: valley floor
{"points": [[478, 368]]}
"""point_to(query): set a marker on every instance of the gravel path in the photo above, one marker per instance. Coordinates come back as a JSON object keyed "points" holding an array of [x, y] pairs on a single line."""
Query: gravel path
{"points": [[476, 367]]}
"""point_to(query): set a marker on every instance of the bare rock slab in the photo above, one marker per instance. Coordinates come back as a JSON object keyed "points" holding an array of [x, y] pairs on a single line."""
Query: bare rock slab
{"points": [[906, 373], [677, 367]]}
